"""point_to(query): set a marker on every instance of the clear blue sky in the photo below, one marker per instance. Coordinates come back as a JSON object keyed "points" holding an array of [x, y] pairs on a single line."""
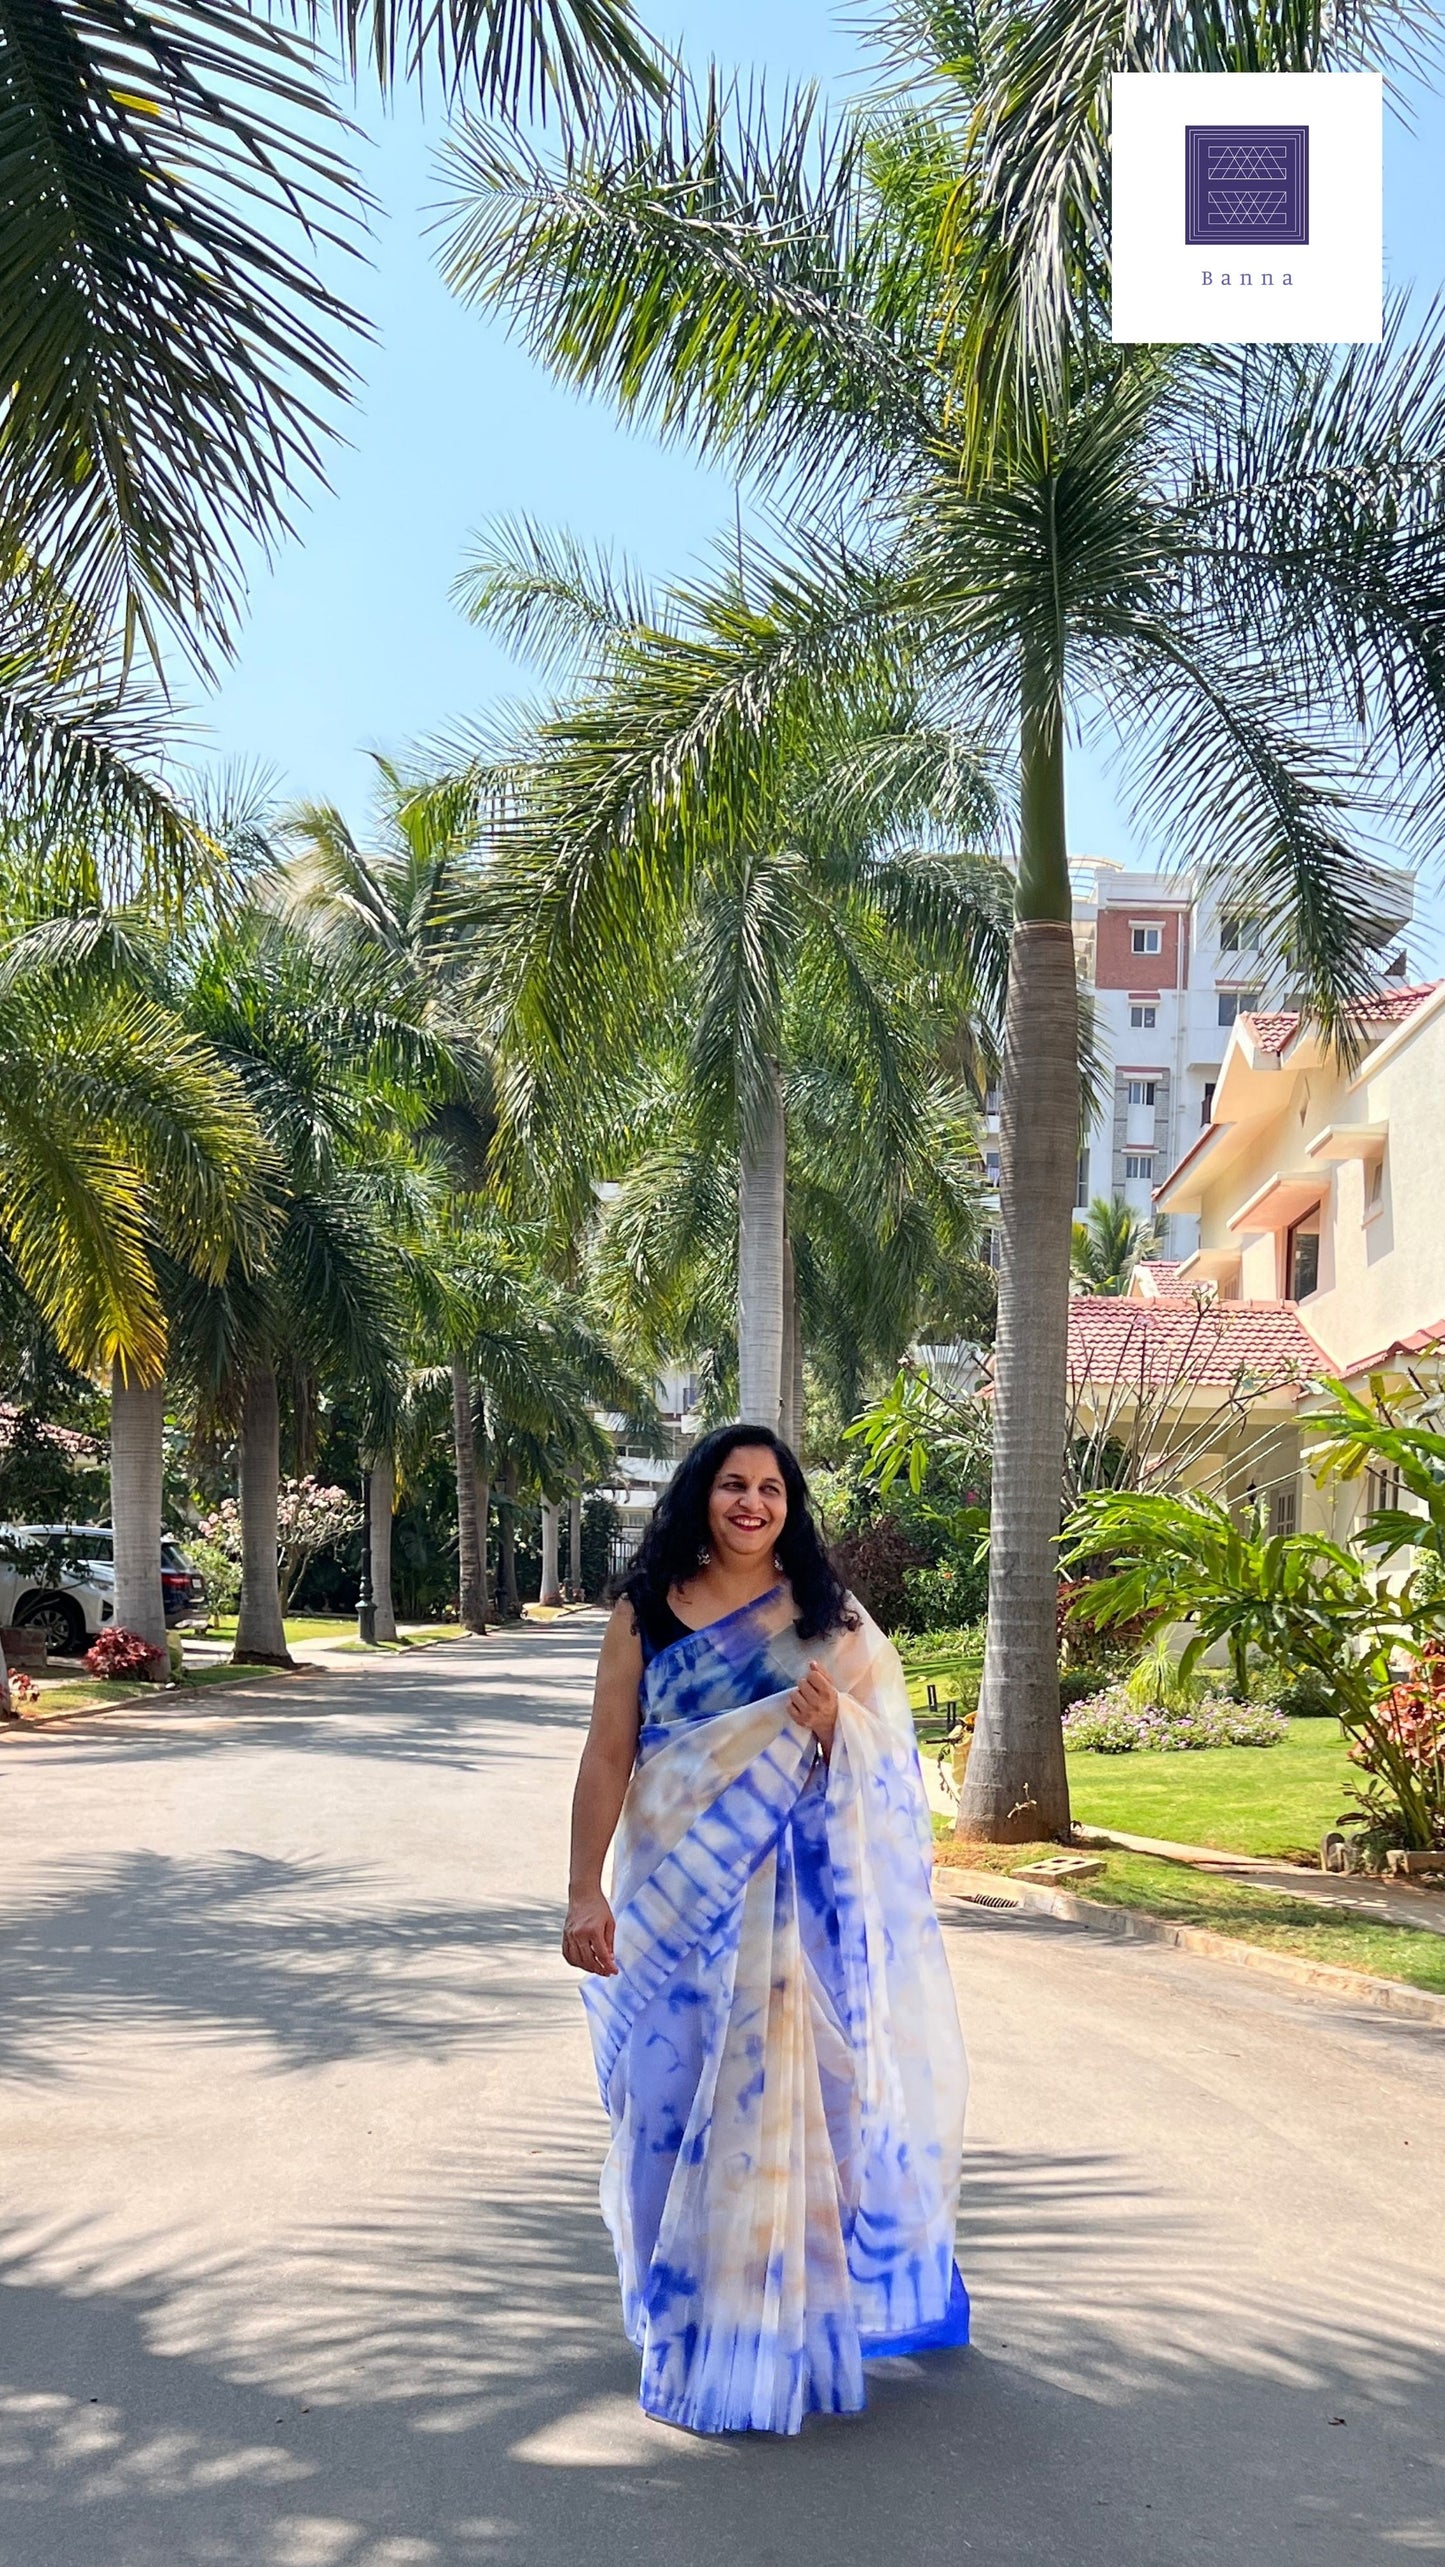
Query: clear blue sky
{"points": [[352, 642]]}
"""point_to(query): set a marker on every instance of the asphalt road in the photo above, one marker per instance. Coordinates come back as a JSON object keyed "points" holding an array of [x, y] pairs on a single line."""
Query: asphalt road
{"points": [[298, 2155]]}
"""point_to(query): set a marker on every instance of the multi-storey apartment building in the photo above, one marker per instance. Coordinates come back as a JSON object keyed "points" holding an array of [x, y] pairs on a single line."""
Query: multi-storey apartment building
{"points": [[1169, 970]]}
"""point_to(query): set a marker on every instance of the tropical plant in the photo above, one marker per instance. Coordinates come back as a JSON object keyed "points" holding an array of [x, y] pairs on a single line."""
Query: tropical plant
{"points": [[1393, 1437], [130, 1155], [310, 1518], [1109, 1243], [902, 321], [1114, 1723], [117, 1652], [738, 862], [1293, 1600], [170, 349]]}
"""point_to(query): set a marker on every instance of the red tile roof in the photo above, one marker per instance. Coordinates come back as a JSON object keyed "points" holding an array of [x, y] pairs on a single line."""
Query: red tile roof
{"points": [[1154, 1277], [1415, 1344], [62, 1439], [1188, 1337], [1385, 1007]]}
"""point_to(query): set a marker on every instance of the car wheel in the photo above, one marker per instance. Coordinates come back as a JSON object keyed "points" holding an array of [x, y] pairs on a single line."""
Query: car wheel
{"points": [[62, 1622]]}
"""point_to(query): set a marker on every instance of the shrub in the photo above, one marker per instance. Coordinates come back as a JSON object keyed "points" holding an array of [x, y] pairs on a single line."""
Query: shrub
{"points": [[220, 1565], [118, 1652], [1409, 1729], [1299, 1692], [873, 1563], [15, 1688], [953, 1591], [1112, 1725]]}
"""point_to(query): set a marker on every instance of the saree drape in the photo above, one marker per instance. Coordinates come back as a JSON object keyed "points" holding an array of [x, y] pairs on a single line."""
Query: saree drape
{"points": [[779, 2054]]}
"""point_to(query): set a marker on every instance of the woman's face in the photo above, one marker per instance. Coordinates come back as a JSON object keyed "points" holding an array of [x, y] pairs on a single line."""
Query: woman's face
{"points": [[748, 1506]]}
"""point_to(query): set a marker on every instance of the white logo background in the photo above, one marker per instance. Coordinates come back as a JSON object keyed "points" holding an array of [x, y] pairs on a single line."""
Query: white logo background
{"points": [[1334, 291]]}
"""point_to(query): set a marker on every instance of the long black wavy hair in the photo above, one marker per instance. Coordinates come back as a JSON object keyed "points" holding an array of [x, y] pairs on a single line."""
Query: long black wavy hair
{"points": [[675, 1545]]}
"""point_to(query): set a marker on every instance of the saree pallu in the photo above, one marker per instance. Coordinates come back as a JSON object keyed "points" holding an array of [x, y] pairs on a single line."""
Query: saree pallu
{"points": [[780, 2054]]}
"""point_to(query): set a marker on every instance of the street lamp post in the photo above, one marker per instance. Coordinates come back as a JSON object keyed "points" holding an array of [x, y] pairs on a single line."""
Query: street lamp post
{"points": [[365, 1602]]}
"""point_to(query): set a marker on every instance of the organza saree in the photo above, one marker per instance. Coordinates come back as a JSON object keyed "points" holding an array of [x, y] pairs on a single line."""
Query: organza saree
{"points": [[780, 2053]]}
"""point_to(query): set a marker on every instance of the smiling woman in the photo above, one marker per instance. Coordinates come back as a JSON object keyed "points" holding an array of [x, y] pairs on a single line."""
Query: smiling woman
{"points": [[772, 2018]]}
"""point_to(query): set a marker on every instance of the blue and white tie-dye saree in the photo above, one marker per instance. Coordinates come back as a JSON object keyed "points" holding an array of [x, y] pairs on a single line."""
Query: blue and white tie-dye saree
{"points": [[780, 2053]]}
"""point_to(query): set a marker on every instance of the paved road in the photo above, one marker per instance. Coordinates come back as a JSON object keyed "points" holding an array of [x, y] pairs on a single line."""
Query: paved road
{"points": [[299, 2151]]}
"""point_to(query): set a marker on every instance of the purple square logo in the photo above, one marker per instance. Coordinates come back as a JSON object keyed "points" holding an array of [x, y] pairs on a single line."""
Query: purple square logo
{"points": [[1247, 186]]}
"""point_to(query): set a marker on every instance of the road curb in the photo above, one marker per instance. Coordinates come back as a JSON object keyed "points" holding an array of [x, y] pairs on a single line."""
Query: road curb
{"points": [[1327, 1978]]}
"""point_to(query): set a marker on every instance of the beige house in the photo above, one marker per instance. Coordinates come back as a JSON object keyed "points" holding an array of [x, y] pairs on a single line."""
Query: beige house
{"points": [[1319, 1188]]}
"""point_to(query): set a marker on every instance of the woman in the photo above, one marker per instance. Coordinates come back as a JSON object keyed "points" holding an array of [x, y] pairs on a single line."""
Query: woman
{"points": [[774, 2028]]}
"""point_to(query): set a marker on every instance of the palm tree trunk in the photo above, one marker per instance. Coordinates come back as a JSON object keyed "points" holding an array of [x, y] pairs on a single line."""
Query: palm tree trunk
{"points": [[760, 1259], [551, 1592], [484, 1536], [472, 1594], [799, 1405], [574, 1543], [137, 1421], [508, 1599], [787, 1425], [260, 1634], [383, 1507], [1016, 1783]]}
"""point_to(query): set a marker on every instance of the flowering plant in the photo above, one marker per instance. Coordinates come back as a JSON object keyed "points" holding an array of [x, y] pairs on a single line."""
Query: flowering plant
{"points": [[119, 1652], [1408, 1730], [1113, 1725], [310, 1517], [16, 1687]]}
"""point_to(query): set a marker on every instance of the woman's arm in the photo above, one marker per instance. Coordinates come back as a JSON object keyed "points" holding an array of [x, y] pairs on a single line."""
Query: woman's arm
{"points": [[602, 1780]]}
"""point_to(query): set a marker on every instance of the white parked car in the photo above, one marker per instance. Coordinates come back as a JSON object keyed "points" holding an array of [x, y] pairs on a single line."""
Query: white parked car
{"points": [[62, 1577]]}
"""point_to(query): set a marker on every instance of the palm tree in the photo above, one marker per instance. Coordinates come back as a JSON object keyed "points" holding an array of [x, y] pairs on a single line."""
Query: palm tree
{"points": [[128, 1150], [410, 904], [1109, 1243], [740, 875], [339, 1081], [172, 356], [1220, 554]]}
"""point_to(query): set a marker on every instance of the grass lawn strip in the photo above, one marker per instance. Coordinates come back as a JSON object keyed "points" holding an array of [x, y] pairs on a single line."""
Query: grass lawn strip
{"points": [[1149, 1886], [1240, 1800]]}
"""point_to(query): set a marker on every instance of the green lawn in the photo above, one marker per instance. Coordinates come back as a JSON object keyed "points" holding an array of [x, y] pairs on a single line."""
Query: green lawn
{"points": [[95, 1693], [305, 1626], [1246, 1800], [1153, 1887], [422, 1639]]}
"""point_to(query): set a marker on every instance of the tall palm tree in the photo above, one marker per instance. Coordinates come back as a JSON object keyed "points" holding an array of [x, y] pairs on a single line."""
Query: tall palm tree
{"points": [[339, 1080], [409, 904], [1220, 554], [743, 870], [1109, 1243]]}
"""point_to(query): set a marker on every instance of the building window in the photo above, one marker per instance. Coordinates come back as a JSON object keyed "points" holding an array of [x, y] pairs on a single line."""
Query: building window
{"points": [[1142, 1020], [1382, 1488], [1207, 1108], [1147, 939], [991, 1165], [1237, 1002], [1239, 936], [1139, 1163], [989, 1249], [1081, 1182], [1374, 1186], [1302, 1257], [991, 1101], [1141, 1091], [1284, 1511]]}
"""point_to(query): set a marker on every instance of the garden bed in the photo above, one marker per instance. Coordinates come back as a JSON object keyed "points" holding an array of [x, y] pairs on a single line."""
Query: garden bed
{"points": [[1149, 1886]]}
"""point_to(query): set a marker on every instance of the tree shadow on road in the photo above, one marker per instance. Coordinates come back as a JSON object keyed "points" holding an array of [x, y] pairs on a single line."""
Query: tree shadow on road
{"points": [[443, 2383], [315, 1958]]}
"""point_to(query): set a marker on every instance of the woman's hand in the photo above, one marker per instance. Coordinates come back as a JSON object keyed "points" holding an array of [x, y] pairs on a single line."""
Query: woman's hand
{"points": [[814, 1705], [587, 1936]]}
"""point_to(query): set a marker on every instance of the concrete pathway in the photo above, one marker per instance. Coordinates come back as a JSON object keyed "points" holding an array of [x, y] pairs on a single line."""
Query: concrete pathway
{"points": [[300, 2150]]}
